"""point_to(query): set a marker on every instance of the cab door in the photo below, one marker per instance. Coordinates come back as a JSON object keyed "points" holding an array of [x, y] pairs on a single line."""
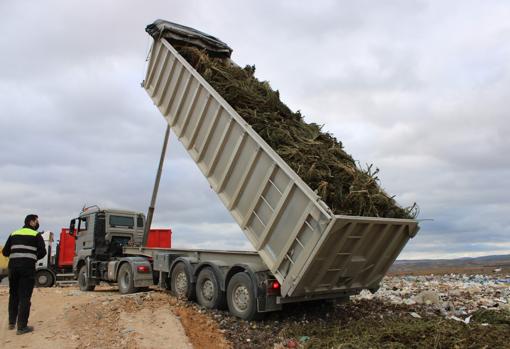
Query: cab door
{"points": [[84, 226]]}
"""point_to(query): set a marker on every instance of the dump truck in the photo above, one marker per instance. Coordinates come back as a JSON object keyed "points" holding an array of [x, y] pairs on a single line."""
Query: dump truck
{"points": [[302, 250]]}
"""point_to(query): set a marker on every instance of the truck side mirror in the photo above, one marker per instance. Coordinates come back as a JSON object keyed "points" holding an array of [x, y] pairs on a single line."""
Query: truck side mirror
{"points": [[71, 228]]}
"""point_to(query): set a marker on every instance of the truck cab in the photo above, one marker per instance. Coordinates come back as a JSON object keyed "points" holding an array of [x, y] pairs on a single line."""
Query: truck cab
{"points": [[103, 232], [100, 236]]}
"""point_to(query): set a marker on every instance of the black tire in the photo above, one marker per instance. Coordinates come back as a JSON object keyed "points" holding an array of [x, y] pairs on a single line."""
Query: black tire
{"points": [[241, 298], [44, 278], [180, 283], [208, 291], [125, 279], [84, 281]]}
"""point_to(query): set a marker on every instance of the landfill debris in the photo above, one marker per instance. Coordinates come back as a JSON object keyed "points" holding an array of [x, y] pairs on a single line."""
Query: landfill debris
{"points": [[428, 297], [303, 339], [316, 156], [383, 321], [291, 343], [455, 296]]}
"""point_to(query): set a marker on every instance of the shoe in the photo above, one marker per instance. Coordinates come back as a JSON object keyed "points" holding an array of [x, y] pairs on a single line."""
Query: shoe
{"points": [[12, 326], [24, 330]]}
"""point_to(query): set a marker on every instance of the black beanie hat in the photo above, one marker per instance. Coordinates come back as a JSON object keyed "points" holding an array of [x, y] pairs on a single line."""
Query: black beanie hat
{"points": [[30, 218]]}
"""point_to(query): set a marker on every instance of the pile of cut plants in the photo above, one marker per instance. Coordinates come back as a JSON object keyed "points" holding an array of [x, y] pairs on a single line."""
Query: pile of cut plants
{"points": [[316, 156]]}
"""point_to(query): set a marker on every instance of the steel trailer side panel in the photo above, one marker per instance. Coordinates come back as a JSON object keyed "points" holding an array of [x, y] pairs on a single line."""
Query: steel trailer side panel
{"points": [[282, 217], [200, 256]]}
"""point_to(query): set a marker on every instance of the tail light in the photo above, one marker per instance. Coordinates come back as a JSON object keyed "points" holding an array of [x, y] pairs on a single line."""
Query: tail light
{"points": [[142, 269], [273, 287]]}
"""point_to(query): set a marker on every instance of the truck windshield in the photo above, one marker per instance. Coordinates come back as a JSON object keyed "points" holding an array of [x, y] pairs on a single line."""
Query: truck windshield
{"points": [[122, 221]]}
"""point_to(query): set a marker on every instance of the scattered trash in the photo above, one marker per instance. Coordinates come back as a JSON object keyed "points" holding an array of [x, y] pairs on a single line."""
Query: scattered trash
{"points": [[291, 343], [303, 339], [415, 315], [428, 297], [455, 318], [454, 296]]}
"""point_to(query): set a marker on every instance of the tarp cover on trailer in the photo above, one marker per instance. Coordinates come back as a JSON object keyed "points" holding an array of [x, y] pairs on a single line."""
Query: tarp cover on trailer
{"points": [[179, 34]]}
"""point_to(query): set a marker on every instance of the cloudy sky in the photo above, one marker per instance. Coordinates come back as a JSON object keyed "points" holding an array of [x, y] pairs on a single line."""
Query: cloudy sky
{"points": [[419, 88]]}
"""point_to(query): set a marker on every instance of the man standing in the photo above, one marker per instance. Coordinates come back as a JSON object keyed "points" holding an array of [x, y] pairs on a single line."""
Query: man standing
{"points": [[23, 247]]}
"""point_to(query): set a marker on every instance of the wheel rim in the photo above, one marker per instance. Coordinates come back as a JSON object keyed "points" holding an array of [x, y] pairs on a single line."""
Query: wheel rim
{"points": [[208, 290], [82, 280], [42, 279], [181, 284], [241, 298], [125, 280]]}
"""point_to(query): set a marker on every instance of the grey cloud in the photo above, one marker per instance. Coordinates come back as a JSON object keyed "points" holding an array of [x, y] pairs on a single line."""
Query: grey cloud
{"points": [[418, 88]]}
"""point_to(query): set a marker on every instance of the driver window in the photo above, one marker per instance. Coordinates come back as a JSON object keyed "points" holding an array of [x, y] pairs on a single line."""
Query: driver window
{"points": [[83, 224]]}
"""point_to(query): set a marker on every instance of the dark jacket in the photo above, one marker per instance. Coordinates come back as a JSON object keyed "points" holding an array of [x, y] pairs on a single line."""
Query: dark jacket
{"points": [[24, 247]]}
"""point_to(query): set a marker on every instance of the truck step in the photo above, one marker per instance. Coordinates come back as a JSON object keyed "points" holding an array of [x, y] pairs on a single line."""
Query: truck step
{"points": [[67, 282]]}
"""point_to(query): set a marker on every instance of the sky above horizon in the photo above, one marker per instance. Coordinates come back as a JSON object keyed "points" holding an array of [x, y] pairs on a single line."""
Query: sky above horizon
{"points": [[420, 89]]}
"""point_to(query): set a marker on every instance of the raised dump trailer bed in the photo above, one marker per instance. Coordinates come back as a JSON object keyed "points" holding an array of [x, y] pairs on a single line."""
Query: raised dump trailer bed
{"points": [[308, 249]]}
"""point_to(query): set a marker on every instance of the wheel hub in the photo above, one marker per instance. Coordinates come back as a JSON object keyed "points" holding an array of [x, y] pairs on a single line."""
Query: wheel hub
{"points": [[181, 284], [208, 290], [241, 298], [43, 279]]}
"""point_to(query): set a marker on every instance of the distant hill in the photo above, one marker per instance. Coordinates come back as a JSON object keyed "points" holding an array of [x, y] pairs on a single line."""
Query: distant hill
{"points": [[468, 265]]}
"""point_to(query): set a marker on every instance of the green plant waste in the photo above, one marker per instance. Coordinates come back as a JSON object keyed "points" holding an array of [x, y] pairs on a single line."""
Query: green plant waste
{"points": [[316, 156]]}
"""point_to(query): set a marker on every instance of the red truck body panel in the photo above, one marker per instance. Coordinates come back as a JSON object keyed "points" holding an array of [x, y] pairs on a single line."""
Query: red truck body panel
{"points": [[66, 249], [160, 238]]}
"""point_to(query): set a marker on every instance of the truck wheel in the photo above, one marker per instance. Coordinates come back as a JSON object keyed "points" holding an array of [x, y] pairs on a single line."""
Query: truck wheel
{"points": [[125, 279], [241, 297], [44, 278], [208, 290], [180, 282], [84, 281]]}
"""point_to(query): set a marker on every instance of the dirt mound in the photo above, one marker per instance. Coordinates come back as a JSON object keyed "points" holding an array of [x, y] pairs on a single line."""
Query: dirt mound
{"points": [[316, 156]]}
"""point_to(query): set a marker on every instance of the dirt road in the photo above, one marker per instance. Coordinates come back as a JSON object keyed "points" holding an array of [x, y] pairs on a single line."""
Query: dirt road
{"points": [[68, 318]]}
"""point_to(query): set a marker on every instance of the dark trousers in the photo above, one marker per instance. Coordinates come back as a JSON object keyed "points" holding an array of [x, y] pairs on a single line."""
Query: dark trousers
{"points": [[21, 285]]}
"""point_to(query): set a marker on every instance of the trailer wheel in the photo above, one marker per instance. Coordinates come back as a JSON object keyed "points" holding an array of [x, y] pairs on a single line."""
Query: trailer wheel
{"points": [[208, 290], [125, 279], [241, 297], [44, 278], [180, 282], [84, 281]]}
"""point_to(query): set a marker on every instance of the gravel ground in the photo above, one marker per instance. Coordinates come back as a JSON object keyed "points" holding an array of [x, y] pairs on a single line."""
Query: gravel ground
{"points": [[449, 311]]}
